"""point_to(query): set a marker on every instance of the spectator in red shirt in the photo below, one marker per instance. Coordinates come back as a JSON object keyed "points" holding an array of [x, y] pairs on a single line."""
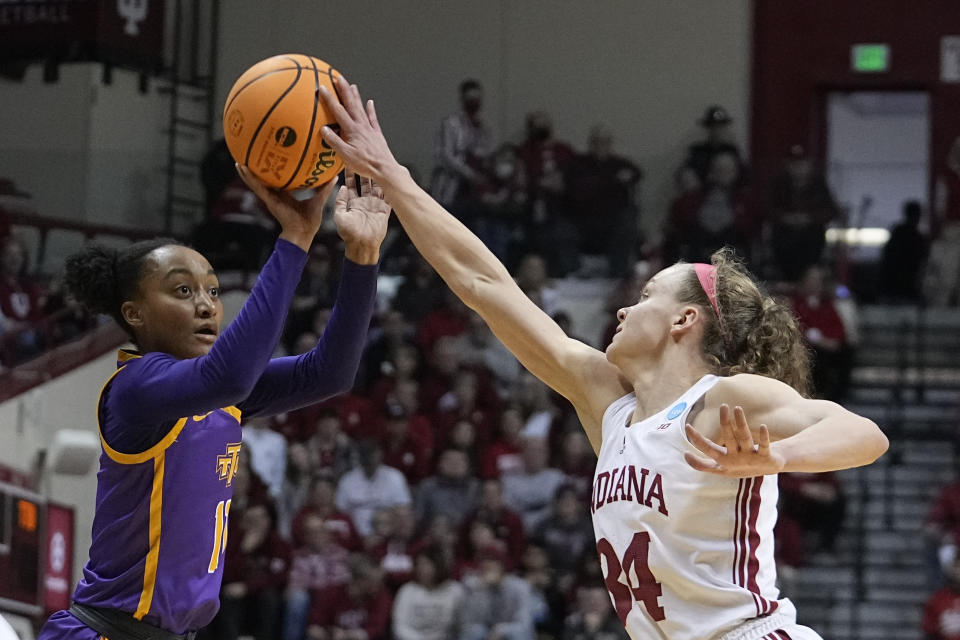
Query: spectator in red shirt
{"points": [[445, 364], [451, 318], [421, 291], [21, 304], [942, 529], [721, 213], [332, 453], [401, 369], [503, 457], [463, 402], [318, 564], [506, 524], [577, 461], [358, 610], [463, 438], [816, 502], [237, 233], [321, 503], [391, 349], [442, 536], [824, 330], [395, 548], [550, 231], [406, 447], [356, 413], [941, 614], [943, 523], [255, 571]]}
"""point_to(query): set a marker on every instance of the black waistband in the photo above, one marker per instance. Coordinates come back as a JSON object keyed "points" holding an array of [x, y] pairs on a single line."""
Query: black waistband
{"points": [[120, 625]]}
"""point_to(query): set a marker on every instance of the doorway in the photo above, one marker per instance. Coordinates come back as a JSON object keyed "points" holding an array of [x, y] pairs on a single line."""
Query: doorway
{"points": [[878, 150]]}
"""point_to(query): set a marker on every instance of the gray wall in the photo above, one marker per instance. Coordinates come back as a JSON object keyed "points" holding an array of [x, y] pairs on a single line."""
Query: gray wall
{"points": [[645, 68]]}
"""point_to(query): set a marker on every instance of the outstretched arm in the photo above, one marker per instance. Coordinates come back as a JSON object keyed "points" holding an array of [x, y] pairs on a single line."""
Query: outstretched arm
{"points": [[330, 368], [575, 370], [794, 433]]}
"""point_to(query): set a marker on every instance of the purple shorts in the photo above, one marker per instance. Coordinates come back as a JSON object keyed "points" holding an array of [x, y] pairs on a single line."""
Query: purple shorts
{"points": [[63, 626]]}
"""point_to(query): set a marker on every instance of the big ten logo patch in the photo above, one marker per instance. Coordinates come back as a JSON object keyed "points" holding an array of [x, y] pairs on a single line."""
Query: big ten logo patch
{"points": [[133, 12], [227, 463], [272, 162]]}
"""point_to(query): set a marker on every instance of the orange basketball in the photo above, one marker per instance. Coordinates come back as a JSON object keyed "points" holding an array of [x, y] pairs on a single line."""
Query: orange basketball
{"points": [[272, 121]]}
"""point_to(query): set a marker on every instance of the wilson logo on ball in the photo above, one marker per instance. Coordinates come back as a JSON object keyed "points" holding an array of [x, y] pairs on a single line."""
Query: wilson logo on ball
{"points": [[325, 159], [285, 136]]}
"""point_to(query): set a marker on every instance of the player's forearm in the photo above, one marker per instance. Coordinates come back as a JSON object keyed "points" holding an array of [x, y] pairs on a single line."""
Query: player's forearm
{"points": [[833, 443], [460, 258], [331, 366]]}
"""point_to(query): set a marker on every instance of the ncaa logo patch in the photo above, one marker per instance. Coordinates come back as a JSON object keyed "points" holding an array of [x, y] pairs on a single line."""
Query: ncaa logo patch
{"points": [[676, 410]]}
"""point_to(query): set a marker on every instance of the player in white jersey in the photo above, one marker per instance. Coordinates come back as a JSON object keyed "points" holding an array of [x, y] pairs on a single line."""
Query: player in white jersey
{"points": [[685, 493]]}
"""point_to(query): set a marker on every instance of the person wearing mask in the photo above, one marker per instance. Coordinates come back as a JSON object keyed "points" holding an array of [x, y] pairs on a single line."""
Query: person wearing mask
{"points": [[462, 152], [602, 188]]}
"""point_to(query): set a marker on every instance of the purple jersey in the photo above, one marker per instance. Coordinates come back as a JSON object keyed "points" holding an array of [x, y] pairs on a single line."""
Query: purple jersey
{"points": [[170, 454], [161, 520]]}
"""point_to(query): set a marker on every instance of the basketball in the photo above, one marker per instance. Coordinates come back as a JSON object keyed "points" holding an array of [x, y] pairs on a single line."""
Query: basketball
{"points": [[272, 120]]}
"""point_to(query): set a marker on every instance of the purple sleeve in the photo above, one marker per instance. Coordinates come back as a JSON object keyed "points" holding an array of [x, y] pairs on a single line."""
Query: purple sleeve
{"points": [[158, 388], [330, 367]]}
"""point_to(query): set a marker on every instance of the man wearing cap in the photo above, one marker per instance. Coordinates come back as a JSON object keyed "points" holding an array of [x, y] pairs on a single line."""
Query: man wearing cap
{"points": [[716, 121]]}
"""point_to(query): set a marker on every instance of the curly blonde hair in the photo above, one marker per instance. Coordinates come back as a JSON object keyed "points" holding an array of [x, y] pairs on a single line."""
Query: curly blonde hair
{"points": [[754, 333]]}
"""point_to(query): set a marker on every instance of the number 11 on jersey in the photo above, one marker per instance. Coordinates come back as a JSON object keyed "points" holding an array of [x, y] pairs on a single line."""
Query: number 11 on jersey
{"points": [[647, 591], [219, 534]]}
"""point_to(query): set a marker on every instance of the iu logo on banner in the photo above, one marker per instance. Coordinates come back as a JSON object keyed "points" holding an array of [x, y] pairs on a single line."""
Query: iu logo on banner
{"points": [[58, 577], [134, 12]]}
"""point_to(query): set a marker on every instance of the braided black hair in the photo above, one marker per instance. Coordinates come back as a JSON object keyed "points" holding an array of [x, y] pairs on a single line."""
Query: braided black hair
{"points": [[103, 278]]}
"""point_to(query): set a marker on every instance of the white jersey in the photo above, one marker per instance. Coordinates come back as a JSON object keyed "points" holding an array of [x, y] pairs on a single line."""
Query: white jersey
{"points": [[686, 555]]}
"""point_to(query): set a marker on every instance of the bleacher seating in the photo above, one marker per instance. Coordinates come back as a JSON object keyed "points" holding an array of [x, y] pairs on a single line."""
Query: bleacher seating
{"points": [[907, 379]]}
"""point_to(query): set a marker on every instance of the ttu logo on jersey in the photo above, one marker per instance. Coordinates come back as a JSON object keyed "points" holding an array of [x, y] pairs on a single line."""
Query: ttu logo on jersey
{"points": [[227, 463]]}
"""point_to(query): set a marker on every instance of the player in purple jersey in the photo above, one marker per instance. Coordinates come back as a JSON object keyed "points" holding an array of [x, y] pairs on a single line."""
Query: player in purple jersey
{"points": [[169, 417]]}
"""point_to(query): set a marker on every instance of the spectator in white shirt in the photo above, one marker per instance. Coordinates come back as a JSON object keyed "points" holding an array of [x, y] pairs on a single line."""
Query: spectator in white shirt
{"points": [[369, 487], [530, 492], [427, 607], [268, 454]]}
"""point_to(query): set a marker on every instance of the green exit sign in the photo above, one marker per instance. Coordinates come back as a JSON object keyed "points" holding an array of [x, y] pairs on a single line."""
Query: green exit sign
{"points": [[870, 58]]}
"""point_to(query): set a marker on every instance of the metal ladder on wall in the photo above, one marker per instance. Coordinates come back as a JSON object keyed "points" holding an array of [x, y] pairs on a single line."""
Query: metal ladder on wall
{"points": [[190, 83]]}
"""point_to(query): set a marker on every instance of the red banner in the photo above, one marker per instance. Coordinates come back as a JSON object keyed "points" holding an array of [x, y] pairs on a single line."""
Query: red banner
{"points": [[124, 32], [58, 558]]}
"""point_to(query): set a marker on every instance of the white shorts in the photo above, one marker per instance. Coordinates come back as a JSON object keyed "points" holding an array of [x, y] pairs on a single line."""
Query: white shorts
{"points": [[780, 625]]}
